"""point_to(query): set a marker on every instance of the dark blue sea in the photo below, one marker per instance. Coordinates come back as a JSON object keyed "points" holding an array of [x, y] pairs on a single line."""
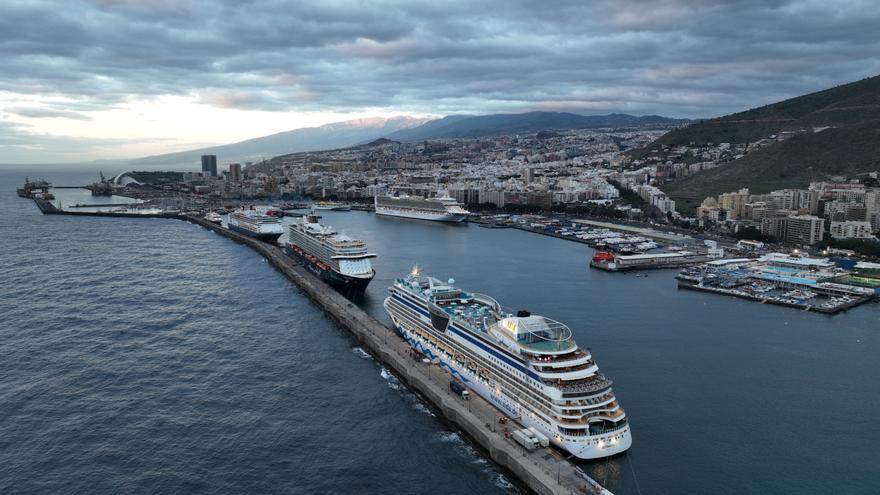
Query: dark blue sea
{"points": [[153, 356]]}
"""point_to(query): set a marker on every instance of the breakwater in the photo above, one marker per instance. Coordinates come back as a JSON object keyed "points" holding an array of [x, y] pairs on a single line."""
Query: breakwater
{"points": [[543, 471], [47, 208]]}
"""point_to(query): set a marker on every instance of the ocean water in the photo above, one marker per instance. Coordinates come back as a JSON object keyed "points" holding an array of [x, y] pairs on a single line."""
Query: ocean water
{"points": [[152, 355]]}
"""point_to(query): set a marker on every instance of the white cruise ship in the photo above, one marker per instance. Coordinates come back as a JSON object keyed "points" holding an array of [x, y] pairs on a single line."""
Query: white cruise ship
{"points": [[337, 259], [526, 365], [256, 223], [441, 209]]}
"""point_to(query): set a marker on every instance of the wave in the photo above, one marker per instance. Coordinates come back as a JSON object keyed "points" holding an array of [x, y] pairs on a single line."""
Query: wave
{"points": [[361, 353], [450, 437]]}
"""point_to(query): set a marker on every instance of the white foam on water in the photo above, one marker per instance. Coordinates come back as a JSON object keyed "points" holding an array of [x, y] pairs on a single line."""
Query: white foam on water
{"points": [[501, 482], [391, 379], [450, 437], [361, 353], [418, 406]]}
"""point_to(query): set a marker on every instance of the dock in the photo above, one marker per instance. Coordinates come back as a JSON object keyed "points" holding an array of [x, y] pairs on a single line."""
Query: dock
{"points": [[543, 471], [47, 208], [809, 284], [831, 310]]}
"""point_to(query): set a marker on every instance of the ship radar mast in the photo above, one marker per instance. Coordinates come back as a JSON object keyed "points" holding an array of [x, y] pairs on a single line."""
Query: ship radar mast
{"points": [[415, 271]]}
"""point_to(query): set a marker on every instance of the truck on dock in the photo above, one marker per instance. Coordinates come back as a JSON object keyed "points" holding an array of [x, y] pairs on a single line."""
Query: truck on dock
{"points": [[542, 439], [526, 438], [459, 389]]}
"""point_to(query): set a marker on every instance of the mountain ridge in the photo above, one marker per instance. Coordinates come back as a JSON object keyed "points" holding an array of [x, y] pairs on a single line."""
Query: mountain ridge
{"points": [[840, 105], [833, 132], [473, 126], [328, 136]]}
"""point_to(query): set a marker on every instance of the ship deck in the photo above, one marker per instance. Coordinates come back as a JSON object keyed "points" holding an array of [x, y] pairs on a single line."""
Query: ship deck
{"points": [[467, 309]]}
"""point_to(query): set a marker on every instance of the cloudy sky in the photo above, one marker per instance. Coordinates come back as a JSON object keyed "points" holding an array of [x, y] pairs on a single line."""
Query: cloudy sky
{"points": [[84, 79]]}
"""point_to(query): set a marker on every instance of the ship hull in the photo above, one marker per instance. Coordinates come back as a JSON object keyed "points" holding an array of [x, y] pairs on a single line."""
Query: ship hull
{"points": [[592, 449], [263, 236], [345, 284], [434, 217]]}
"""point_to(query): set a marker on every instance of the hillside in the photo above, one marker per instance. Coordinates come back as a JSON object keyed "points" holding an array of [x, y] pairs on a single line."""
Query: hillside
{"points": [[330, 136], [790, 164], [465, 126], [848, 104], [851, 145]]}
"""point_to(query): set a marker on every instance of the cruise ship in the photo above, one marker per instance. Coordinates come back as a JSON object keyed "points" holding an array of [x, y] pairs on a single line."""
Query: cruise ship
{"points": [[441, 209], [335, 258], [528, 366], [255, 223]]}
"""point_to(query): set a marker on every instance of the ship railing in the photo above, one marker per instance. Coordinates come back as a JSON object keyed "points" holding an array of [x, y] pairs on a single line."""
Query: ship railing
{"points": [[618, 426], [488, 301], [592, 384], [544, 359], [567, 369], [588, 402]]}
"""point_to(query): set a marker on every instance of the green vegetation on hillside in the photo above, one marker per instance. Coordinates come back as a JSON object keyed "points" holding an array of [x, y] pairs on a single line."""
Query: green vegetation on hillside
{"points": [[865, 247], [849, 145], [790, 164], [840, 106]]}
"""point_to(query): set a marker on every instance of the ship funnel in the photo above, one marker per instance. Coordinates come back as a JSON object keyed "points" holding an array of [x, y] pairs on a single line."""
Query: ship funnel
{"points": [[523, 313]]}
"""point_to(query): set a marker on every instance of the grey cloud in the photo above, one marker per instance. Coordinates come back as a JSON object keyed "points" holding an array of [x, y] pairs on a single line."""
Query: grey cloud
{"points": [[673, 57], [42, 112]]}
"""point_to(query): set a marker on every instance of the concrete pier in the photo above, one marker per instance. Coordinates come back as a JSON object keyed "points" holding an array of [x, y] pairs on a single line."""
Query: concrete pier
{"points": [[544, 471]]}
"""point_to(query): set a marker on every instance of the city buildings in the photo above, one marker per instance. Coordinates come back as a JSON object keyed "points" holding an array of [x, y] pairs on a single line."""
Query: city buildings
{"points": [[795, 229], [852, 230], [209, 165], [235, 172]]}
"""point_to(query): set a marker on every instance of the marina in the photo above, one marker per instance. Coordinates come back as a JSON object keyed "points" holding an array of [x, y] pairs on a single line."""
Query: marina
{"points": [[811, 284]]}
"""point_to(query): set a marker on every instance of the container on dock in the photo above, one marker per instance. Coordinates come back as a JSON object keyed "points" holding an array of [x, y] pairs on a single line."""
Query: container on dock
{"points": [[526, 438], [542, 439]]}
